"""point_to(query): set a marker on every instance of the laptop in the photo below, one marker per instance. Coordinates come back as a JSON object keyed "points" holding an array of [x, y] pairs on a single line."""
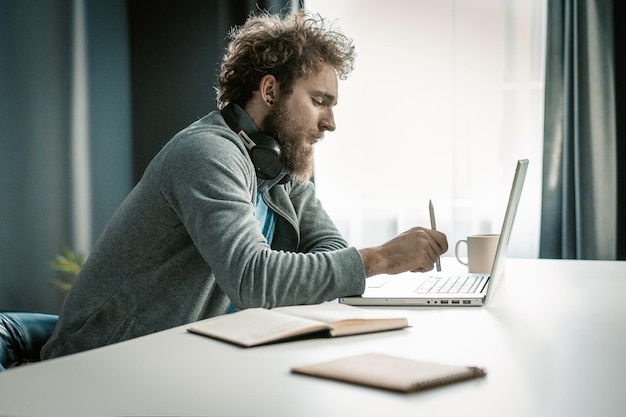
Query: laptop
{"points": [[454, 290]]}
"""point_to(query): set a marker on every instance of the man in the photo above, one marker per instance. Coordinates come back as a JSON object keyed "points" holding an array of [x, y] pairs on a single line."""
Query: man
{"points": [[225, 216]]}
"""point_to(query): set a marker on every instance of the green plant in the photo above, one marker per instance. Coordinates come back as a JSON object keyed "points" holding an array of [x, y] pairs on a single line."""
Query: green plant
{"points": [[67, 265]]}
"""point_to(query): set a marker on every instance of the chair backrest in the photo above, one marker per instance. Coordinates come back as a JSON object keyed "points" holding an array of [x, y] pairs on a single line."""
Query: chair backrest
{"points": [[22, 335]]}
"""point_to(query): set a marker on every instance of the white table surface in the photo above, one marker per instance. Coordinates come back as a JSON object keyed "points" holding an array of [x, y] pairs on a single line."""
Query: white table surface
{"points": [[561, 352]]}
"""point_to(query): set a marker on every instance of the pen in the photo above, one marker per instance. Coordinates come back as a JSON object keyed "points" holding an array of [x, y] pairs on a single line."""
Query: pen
{"points": [[433, 225]]}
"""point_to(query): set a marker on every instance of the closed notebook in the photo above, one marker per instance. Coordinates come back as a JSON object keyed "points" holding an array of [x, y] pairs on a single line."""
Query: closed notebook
{"points": [[390, 372]]}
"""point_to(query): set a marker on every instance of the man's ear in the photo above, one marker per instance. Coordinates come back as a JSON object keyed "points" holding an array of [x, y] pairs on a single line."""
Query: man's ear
{"points": [[269, 89]]}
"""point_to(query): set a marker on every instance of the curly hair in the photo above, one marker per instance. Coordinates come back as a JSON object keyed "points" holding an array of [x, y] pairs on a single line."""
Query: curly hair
{"points": [[287, 47]]}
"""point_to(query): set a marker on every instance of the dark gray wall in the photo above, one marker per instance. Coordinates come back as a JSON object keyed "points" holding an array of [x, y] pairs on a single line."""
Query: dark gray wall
{"points": [[176, 48]]}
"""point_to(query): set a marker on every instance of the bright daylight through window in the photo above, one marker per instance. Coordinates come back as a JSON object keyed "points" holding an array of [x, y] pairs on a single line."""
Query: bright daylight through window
{"points": [[445, 97]]}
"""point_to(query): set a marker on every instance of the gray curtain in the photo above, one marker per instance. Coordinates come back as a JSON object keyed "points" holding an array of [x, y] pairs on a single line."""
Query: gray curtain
{"points": [[51, 71], [579, 201]]}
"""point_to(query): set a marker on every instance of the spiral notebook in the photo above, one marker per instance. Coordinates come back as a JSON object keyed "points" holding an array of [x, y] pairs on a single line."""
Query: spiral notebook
{"points": [[390, 372]]}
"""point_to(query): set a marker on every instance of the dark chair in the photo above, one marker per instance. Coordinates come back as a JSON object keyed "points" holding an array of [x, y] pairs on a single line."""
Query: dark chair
{"points": [[22, 336]]}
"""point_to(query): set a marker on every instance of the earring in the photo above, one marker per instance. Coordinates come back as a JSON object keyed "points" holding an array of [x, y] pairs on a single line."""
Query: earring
{"points": [[270, 102]]}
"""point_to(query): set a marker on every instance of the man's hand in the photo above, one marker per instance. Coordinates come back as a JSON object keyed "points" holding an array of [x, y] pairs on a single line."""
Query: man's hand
{"points": [[415, 250]]}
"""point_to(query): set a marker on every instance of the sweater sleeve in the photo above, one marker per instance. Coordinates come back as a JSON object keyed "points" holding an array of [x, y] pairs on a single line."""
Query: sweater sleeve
{"points": [[210, 183]]}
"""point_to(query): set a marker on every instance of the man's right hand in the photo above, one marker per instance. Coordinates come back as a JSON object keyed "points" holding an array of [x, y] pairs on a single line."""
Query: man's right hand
{"points": [[415, 250]]}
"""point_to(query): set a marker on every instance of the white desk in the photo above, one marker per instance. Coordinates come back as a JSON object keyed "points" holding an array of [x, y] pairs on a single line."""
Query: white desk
{"points": [[547, 354]]}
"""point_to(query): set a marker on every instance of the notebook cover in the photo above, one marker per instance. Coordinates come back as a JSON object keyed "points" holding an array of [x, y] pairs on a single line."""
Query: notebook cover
{"points": [[390, 372]]}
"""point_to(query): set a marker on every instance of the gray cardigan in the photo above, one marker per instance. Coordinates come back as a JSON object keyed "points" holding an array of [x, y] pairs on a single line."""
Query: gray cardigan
{"points": [[185, 244]]}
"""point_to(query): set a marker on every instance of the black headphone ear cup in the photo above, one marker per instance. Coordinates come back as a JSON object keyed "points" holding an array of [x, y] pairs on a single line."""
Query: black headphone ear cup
{"points": [[265, 152], [267, 156]]}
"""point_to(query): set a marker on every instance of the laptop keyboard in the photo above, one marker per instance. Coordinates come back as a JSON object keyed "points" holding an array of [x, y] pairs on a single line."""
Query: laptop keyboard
{"points": [[462, 284]]}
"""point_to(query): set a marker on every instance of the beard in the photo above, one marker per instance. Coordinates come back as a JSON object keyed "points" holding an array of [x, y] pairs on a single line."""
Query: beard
{"points": [[281, 124]]}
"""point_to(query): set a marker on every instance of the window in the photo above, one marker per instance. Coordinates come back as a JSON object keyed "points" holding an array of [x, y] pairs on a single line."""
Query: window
{"points": [[445, 97]]}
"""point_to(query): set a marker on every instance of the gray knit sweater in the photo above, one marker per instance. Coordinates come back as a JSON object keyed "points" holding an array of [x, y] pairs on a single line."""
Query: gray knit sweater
{"points": [[185, 244]]}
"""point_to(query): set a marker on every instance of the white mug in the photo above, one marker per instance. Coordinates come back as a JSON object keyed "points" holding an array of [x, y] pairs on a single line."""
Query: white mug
{"points": [[481, 251]]}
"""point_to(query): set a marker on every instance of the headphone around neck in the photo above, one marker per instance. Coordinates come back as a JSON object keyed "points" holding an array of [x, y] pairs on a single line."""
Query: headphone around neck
{"points": [[265, 153]]}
